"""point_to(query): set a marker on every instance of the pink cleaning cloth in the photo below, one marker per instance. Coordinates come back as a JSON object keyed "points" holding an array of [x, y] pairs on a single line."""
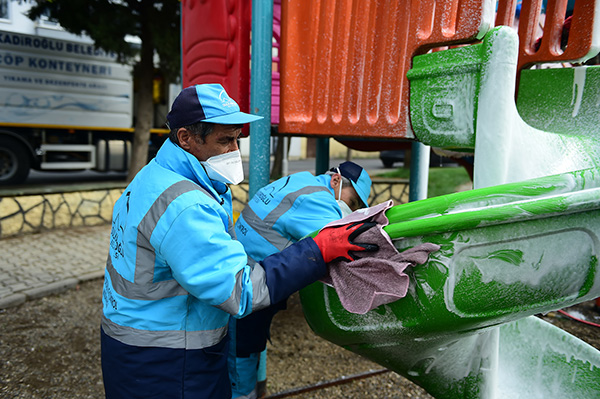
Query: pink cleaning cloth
{"points": [[376, 278]]}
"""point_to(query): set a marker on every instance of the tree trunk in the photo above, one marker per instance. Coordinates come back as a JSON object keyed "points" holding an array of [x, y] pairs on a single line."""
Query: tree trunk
{"points": [[144, 114]]}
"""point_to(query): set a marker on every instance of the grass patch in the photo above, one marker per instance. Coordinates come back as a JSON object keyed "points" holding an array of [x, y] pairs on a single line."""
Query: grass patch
{"points": [[442, 181]]}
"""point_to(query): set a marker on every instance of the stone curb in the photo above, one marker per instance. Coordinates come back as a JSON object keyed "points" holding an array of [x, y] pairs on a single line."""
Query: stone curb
{"points": [[52, 288], [56, 287], [91, 276], [12, 300]]}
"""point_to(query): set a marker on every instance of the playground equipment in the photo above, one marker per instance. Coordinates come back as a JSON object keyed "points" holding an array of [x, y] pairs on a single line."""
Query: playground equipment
{"points": [[525, 241]]}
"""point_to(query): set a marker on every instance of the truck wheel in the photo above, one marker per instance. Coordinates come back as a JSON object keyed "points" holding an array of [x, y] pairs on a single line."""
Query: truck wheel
{"points": [[14, 162]]}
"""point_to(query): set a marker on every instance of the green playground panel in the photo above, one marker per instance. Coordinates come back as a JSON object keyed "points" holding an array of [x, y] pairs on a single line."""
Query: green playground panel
{"points": [[445, 90], [561, 100], [507, 252]]}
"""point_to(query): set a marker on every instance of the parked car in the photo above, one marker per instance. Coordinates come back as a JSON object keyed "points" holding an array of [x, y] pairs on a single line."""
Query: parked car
{"points": [[389, 158]]}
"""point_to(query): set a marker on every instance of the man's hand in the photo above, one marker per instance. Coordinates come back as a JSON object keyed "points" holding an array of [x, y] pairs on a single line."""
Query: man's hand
{"points": [[338, 242]]}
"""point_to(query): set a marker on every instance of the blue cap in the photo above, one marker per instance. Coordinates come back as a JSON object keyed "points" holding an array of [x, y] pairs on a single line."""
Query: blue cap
{"points": [[358, 177], [206, 103]]}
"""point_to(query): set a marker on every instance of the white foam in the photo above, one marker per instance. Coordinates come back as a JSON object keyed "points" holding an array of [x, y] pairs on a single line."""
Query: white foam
{"points": [[578, 87], [506, 148]]}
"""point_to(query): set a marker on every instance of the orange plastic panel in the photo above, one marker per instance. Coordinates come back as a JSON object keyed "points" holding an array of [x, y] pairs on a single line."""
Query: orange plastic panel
{"points": [[505, 14], [215, 45], [344, 62], [580, 33]]}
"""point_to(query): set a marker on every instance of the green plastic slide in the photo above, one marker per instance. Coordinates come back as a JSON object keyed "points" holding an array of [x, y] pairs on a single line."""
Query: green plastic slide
{"points": [[525, 241]]}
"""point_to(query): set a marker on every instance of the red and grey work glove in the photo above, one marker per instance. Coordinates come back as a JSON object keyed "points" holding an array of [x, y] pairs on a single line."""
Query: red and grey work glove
{"points": [[338, 242]]}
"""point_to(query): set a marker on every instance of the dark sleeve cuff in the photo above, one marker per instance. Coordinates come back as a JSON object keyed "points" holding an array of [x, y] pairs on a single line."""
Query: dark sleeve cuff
{"points": [[294, 268]]}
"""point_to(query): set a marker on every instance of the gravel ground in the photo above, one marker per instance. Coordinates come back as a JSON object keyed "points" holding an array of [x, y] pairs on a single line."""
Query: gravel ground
{"points": [[49, 348]]}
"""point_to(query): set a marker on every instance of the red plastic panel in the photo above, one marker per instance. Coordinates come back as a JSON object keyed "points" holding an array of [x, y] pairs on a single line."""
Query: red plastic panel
{"points": [[215, 45], [345, 62]]}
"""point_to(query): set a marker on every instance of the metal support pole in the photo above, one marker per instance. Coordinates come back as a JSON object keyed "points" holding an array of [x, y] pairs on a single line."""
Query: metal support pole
{"points": [[419, 171], [322, 159], [285, 166], [260, 94]]}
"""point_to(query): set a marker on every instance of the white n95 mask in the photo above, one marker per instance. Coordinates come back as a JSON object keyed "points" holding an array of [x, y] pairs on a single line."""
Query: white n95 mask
{"points": [[343, 206], [226, 168]]}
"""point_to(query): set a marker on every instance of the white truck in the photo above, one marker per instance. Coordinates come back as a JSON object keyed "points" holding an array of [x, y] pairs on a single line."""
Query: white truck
{"points": [[63, 106]]}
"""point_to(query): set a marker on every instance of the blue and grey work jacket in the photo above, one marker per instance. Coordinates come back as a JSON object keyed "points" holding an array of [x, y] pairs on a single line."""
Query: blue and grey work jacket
{"points": [[175, 273], [285, 211], [279, 215]]}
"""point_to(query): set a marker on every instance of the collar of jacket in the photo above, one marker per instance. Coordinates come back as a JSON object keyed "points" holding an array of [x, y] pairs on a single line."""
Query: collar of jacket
{"points": [[172, 157], [326, 181]]}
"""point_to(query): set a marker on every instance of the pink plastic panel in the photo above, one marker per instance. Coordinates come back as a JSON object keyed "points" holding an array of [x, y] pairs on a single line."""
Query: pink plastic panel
{"points": [[344, 63], [215, 45], [275, 90]]}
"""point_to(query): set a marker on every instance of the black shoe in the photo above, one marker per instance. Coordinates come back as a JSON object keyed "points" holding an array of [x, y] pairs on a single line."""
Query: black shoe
{"points": [[261, 389]]}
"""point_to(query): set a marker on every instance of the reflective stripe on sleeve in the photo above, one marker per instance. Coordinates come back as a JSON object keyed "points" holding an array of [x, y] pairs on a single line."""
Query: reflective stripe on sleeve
{"points": [[260, 291]]}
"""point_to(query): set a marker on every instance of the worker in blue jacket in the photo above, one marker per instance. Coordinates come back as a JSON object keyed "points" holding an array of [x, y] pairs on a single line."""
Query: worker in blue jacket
{"points": [[175, 272], [279, 215]]}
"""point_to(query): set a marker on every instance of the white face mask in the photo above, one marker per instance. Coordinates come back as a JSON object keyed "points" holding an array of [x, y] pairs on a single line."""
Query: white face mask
{"points": [[226, 168], [343, 206]]}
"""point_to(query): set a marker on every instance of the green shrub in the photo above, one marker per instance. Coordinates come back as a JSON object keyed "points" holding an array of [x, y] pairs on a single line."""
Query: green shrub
{"points": [[442, 181]]}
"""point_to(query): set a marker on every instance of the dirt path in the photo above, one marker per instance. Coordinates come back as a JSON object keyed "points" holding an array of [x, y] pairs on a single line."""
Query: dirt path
{"points": [[49, 348]]}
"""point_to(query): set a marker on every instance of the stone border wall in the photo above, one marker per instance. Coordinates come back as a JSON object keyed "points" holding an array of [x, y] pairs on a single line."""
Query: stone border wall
{"points": [[34, 213], [26, 213]]}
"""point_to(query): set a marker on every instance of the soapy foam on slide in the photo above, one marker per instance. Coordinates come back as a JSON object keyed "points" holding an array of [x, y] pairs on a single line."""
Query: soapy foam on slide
{"points": [[552, 368], [506, 148]]}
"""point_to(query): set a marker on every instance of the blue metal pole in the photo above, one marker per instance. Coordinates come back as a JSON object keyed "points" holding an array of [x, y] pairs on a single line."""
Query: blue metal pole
{"points": [[260, 94], [322, 158], [419, 171]]}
